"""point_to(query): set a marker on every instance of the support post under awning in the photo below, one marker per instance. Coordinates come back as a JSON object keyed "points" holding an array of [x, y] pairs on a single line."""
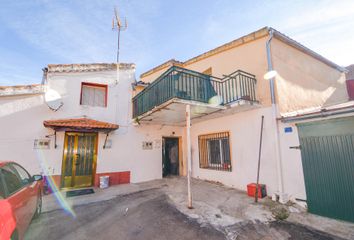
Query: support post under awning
{"points": [[189, 154], [55, 139]]}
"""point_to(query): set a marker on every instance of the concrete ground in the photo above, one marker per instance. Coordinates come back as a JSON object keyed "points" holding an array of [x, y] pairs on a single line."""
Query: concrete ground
{"points": [[157, 210], [142, 215]]}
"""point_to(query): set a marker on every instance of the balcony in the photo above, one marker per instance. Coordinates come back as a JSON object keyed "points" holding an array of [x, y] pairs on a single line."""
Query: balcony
{"points": [[163, 101]]}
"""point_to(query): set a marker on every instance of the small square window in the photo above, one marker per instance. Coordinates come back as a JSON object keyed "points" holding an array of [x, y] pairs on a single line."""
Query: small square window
{"points": [[94, 94], [214, 151]]}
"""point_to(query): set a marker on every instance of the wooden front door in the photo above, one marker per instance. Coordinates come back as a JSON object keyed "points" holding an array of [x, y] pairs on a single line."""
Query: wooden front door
{"points": [[79, 160]]}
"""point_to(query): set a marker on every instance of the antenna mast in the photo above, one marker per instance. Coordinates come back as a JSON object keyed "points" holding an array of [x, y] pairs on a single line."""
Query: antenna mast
{"points": [[117, 25]]}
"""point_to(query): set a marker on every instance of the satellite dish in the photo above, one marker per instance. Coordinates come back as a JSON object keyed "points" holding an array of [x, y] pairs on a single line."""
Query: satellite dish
{"points": [[53, 99]]}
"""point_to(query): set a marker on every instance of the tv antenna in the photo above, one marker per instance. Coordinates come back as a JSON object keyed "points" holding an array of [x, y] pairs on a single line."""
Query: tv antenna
{"points": [[117, 25]]}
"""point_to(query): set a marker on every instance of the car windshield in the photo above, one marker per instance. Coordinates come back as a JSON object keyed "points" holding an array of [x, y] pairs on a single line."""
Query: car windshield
{"points": [[2, 190], [12, 182]]}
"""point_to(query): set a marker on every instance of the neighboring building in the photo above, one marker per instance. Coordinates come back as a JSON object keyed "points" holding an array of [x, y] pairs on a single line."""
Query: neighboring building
{"points": [[225, 138], [133, 131]]}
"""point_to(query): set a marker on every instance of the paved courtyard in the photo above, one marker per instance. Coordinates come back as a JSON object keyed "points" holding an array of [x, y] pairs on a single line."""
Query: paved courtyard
{"points": [[144, 215], [156, 210]]}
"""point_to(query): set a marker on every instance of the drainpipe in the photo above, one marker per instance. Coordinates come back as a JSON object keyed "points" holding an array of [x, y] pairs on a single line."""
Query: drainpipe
{"points": [[282, 195]]}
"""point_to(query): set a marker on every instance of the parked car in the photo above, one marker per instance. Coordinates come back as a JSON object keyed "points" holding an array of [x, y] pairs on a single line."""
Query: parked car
{"points": [[20, 200]]}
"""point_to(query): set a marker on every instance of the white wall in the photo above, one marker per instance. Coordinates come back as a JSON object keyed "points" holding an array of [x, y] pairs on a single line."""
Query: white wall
{"points": [[304, 82], [293, 176], [244, 130], [21, 121], [22, 117]]}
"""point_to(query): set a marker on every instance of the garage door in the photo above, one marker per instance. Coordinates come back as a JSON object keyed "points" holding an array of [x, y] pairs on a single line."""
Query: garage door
{"points": [[327, 150]]}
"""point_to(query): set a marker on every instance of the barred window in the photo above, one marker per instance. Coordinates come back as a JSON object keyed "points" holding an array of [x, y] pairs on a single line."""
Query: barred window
{"points": [[94, 94], [214, 151]]}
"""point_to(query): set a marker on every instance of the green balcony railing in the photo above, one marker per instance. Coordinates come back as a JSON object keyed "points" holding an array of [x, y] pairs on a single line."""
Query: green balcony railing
{"points": [[186, 84]]}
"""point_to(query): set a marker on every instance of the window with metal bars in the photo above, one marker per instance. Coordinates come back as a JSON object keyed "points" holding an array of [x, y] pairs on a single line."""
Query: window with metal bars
{"points": [[214, 151], [93, 94]]}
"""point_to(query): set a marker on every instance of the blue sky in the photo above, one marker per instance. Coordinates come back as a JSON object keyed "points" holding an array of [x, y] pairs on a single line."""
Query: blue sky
{"points": [[39, 32]]}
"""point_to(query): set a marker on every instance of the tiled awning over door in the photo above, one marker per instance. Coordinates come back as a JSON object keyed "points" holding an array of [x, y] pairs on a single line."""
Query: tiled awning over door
{"points": [[80, 124]]}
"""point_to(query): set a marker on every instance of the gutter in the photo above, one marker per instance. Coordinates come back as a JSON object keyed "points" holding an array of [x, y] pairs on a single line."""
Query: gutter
{"points": [[321, 114]]}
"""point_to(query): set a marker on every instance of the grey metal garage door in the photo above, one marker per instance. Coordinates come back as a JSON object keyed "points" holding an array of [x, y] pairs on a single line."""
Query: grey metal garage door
{"points": [[327, 150]]}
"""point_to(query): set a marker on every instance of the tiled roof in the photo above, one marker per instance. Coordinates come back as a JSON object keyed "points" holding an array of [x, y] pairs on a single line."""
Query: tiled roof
{"points": [[21, 90], [80, 124], [87, 67]]}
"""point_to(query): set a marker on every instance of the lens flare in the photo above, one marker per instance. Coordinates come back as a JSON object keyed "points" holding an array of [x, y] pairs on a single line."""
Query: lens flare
{"points": [[216, 100], [52, 185]]}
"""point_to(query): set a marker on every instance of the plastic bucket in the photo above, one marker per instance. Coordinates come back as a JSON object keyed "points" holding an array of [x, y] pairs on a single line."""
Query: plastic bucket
{"points": [[104, 181], [251, 190]]}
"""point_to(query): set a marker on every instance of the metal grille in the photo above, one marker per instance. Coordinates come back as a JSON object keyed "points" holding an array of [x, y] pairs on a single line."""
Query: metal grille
{"points": [[214, 151], [85, 150], [69, 156]]}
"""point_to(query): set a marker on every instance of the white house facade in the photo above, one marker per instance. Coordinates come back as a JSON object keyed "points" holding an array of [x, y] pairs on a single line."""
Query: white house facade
{"points": [[45, 149], [108, 123]]}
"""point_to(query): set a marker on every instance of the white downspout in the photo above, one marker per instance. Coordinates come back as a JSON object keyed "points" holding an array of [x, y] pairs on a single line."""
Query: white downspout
{"points": [[282, 196]]}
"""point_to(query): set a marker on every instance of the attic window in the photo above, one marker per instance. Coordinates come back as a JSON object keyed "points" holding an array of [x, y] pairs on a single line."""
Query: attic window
{"points": [[93, 94]]}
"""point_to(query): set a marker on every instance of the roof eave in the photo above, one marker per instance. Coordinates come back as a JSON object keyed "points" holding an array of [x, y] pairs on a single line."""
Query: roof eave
{"points": [[245, 39], [282, 37], [80, 129]]}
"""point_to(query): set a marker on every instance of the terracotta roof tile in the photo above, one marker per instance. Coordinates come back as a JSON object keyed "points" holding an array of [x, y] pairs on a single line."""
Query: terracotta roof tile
{"points": [[87, 67], [21, 90], [80, 124]]}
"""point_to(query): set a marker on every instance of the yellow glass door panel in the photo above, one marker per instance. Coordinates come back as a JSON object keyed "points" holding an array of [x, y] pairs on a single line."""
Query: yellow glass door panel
{"points": [[79, 160]]}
